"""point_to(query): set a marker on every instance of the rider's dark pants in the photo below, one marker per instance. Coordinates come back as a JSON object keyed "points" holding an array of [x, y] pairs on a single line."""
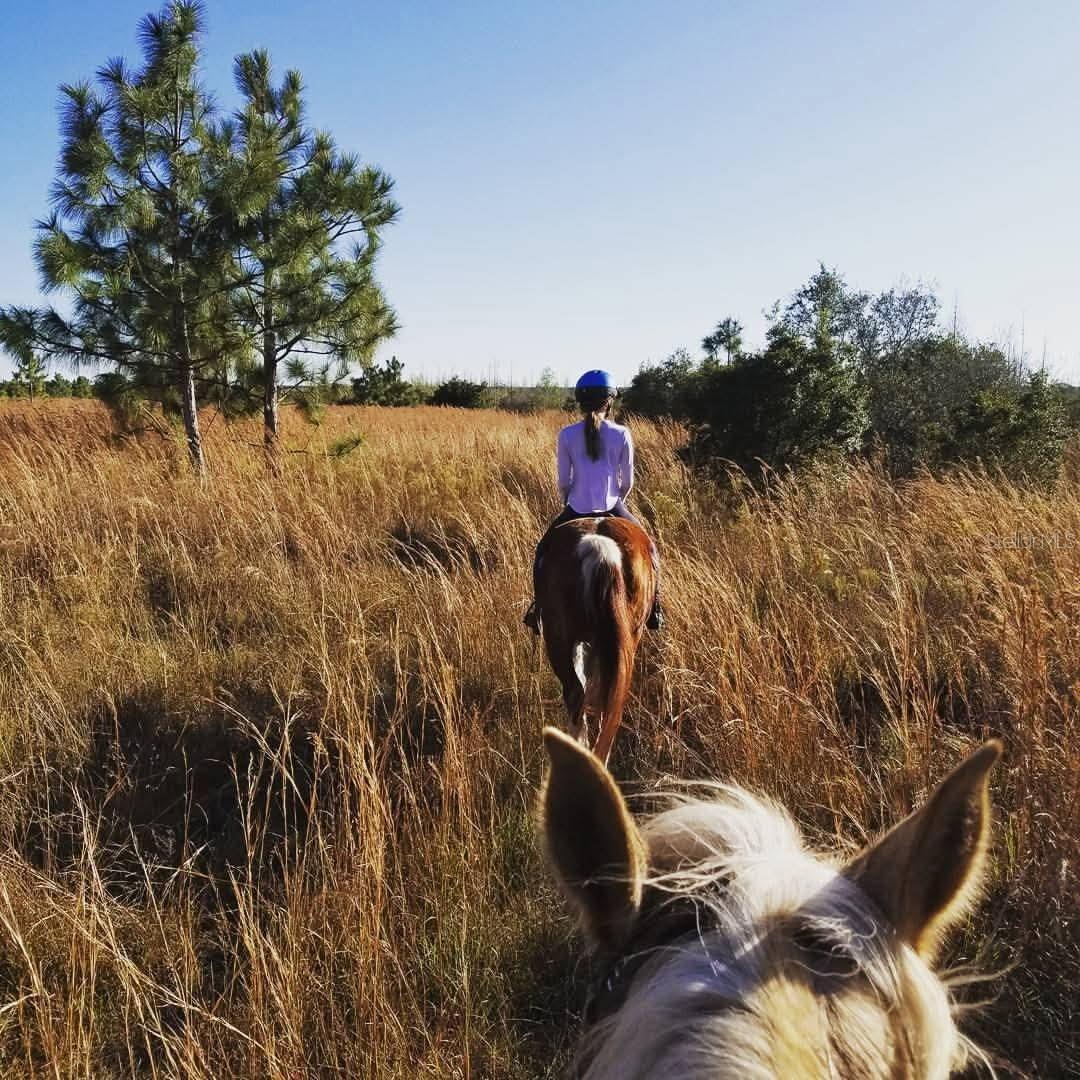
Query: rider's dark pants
{"points": [[619, 510]]}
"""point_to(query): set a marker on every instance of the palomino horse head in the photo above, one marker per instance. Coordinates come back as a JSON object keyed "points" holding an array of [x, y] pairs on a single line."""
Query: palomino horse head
{"points": [[595, 583], [733, 951]]}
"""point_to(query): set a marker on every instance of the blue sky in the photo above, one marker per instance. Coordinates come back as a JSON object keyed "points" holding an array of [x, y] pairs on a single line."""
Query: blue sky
{"points": [[595, 183]]}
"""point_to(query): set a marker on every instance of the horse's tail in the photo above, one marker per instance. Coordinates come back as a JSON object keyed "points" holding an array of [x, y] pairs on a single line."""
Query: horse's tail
{"points": [[611, 656]]}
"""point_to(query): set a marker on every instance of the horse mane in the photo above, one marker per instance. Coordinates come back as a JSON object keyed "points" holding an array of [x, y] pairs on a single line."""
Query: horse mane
{"points": [[707, 1005]]}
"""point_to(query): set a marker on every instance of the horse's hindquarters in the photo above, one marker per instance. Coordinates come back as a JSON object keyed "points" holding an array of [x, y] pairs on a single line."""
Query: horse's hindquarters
{"points": [[595, 584]]}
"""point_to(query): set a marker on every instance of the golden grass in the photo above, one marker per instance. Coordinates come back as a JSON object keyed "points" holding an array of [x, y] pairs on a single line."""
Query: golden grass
{"points": [[269, 750]]}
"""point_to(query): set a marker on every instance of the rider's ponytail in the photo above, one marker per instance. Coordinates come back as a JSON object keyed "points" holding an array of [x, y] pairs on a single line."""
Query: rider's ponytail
{"points": [[595, 412]]}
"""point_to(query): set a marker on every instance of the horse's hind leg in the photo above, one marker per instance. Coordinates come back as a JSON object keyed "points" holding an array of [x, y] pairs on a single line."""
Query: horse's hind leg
{"points": [[574, 700], [561, 656]]}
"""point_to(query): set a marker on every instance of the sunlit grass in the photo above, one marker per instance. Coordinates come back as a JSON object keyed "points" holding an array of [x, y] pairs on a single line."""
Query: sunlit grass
{"points": [[269, 749]]}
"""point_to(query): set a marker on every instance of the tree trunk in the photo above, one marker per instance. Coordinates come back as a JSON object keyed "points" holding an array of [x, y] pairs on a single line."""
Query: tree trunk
{"points": [[191, 421], [187, 390], [270, 389]]}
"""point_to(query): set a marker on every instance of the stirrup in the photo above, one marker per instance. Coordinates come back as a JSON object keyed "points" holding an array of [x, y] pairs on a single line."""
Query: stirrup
{"points": [[532, 618]]}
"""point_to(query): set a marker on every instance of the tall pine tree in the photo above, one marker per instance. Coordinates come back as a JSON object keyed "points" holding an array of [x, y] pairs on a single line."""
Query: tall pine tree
{"points": [[202, 258], [307, 220], [137, 238]]}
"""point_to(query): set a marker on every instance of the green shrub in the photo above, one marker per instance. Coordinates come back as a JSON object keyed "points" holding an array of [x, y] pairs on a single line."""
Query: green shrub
{"points": [[787, 407], [460, 394], [385, 386], [665, 389], [1021, 430]]}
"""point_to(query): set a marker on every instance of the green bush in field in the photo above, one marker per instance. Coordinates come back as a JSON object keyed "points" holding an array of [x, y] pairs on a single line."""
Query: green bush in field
{"points": [[664, 389], [460, 394], [58, 387], [386, 385], [787, 406], [1020, 429]]}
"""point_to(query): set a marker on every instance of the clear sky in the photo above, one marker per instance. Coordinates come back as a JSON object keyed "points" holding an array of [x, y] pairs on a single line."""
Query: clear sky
{"points": [[595, 183]]}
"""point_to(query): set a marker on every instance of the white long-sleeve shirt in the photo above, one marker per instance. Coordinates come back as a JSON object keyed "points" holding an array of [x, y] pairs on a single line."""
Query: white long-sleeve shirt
{"points": [[591, 486]]}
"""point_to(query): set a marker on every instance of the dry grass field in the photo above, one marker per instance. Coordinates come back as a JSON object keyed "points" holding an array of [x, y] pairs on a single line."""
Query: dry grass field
{"points": [[269, 750]]}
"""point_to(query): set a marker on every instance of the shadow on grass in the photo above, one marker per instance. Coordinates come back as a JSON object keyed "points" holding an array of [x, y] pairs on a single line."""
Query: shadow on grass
{"points": [[225, 793], [445, 548]]}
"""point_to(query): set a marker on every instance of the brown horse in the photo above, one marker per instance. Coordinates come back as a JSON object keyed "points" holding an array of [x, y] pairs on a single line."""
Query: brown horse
{"points": [[730, 950], [595, 583]]}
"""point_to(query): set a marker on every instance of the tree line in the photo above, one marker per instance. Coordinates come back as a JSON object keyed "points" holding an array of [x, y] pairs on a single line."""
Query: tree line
{"points": [[845, 372], [386, 384], [382, 384], [209, 258]]}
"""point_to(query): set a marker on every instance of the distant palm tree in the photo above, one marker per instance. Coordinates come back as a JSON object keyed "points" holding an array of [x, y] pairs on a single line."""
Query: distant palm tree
{"points": [[726, 336]]}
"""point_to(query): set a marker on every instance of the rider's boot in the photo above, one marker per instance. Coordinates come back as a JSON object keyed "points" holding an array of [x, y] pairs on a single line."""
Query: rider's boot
{"points": [[532, 618]]}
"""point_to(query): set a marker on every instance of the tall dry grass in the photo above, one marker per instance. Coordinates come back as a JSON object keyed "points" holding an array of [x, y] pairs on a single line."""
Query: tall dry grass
{"points": [[269, 749]]}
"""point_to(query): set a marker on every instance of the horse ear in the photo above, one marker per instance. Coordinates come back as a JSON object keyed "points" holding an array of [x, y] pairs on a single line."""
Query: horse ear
{"points": [[925, 873], [591, 840]]}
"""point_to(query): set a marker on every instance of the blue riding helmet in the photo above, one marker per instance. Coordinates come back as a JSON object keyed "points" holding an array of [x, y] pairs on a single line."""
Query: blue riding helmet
{"points": [[595, 383]]}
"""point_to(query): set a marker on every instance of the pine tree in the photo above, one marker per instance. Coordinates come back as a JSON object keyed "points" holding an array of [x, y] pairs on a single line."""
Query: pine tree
{"points": [[29, 374], [307, 220], [137, 237]]}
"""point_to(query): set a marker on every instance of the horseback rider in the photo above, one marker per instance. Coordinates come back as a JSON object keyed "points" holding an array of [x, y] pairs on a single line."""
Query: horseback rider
{"points": [[596, 472]]}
